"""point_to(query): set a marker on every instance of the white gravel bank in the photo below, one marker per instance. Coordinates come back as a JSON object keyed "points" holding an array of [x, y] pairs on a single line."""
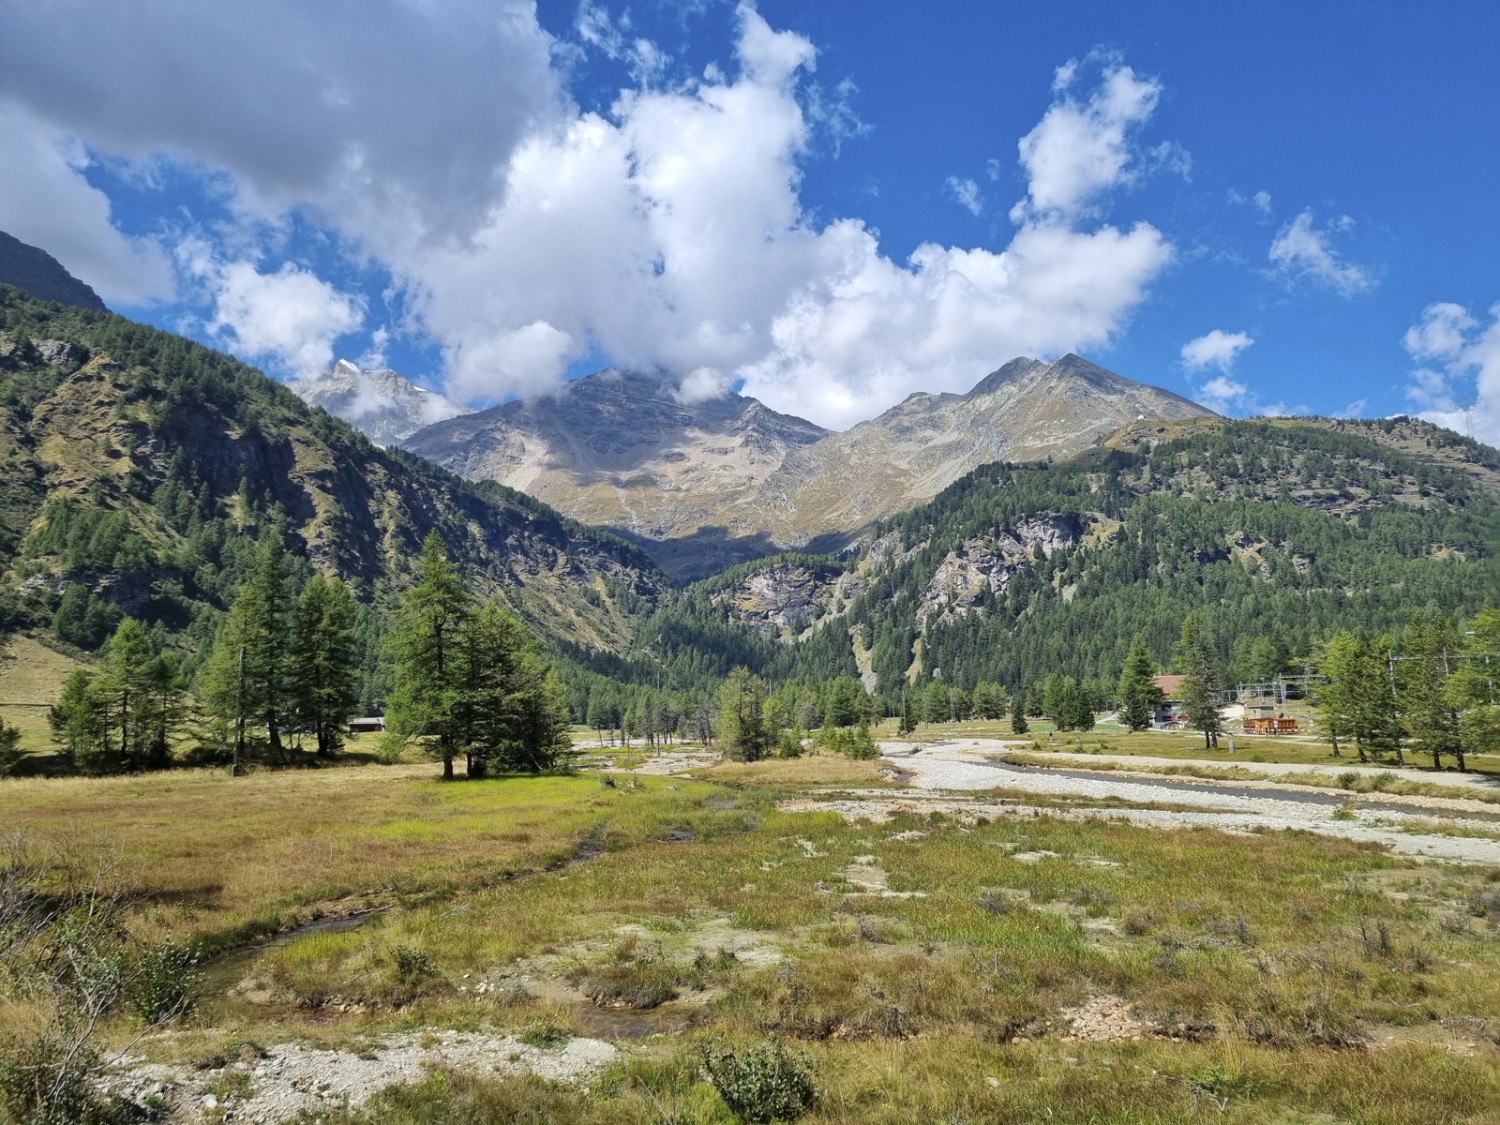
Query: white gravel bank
{"points": [[292, 1077], [957, 767]]}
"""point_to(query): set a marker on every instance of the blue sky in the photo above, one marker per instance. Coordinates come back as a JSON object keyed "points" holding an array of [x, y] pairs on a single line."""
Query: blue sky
{"points": [[1270, 207]]}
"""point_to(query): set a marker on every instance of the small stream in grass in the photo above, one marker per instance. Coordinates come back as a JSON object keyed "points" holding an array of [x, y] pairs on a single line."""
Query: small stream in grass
{"points": [[225, 973]]}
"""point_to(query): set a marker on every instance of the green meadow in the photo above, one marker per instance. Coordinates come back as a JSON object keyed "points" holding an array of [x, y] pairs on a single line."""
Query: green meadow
{"points": [[924, 969]]}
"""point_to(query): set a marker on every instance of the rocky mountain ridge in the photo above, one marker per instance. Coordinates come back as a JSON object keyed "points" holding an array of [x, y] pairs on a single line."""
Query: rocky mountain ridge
{"points": [[621, 450], [703, 485], [40, 274], [142, 467], [382, 404]]}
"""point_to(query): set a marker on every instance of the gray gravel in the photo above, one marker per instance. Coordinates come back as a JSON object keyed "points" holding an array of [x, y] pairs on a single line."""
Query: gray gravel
{"points": [[292, 1077], [961, 766]]}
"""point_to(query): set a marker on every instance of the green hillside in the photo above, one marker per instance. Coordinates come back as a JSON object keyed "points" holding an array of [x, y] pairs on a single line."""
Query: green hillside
{"points": [[1282, 529], [138, 470]]}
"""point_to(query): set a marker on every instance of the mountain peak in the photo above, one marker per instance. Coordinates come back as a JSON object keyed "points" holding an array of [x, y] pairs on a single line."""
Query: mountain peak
{"points": [[704, 484], [40, 274], [382, 403]]}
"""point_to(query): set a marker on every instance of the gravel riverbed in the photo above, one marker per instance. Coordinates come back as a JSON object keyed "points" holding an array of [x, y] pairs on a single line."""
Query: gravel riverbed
{"points": [[962, 767]]}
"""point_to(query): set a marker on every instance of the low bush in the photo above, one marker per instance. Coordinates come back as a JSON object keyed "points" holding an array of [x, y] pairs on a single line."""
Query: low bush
{"points": [[761, 1083]]}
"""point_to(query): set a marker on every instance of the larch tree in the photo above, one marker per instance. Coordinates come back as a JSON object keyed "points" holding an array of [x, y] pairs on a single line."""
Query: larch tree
{"points": [[742, 728], [325, 654], [1424, 693], [424, 649], [248, 675], [1338, 664]]}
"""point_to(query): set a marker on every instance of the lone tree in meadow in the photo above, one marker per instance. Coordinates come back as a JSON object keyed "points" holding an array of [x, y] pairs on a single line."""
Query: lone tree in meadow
{"points": [[1200, 686], [1139, 695], [744, 732]]}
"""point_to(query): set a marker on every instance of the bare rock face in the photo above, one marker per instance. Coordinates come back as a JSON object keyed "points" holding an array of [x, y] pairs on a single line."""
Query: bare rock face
{"points": [[384, 406], [785, 600], [704, 485], [619, 450], [984, 567]]}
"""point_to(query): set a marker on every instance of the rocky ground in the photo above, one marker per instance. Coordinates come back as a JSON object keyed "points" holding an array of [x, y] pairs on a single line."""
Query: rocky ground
{"points": [[941, 775], [277, 1083]]}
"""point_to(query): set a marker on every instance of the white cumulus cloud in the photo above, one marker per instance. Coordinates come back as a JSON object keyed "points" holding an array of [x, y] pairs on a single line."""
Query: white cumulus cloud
{"points": [[1081, 148], [1301, 250], [1226, 395], [377, 113], [46, 201], [1458, 382], [1215, 349], [524, 234], [288, 318]]}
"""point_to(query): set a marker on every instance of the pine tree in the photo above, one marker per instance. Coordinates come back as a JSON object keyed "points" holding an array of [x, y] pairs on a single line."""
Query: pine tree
{"points": [[488, 690], [989, 700], [1018, 724], [908, 715], [1139, 695], [423, 644], [259, 626], [543, 740], [1337, 662], [124, 691], [325, 655], [742, 724], [1200, 687], [74, 719]]}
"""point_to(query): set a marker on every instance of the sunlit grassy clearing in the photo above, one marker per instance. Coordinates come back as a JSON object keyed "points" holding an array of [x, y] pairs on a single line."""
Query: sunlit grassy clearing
{"points": [[31, 679], [211, 856], [1257, 936]]}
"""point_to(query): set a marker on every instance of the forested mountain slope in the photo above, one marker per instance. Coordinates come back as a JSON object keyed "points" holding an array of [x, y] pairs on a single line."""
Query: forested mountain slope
{"points": [[1285, 528], [138, 469]]}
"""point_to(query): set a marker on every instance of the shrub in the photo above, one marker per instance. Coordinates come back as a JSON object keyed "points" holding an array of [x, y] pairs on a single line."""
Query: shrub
{"points": [[790, 745], [761, 1083], [161, 988], [411, 964], [41, 1084]]}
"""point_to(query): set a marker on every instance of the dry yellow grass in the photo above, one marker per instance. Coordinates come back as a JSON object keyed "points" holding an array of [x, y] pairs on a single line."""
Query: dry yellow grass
{"points": [[214, 857], [31, 678], [991, 930], [810, 769]]}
